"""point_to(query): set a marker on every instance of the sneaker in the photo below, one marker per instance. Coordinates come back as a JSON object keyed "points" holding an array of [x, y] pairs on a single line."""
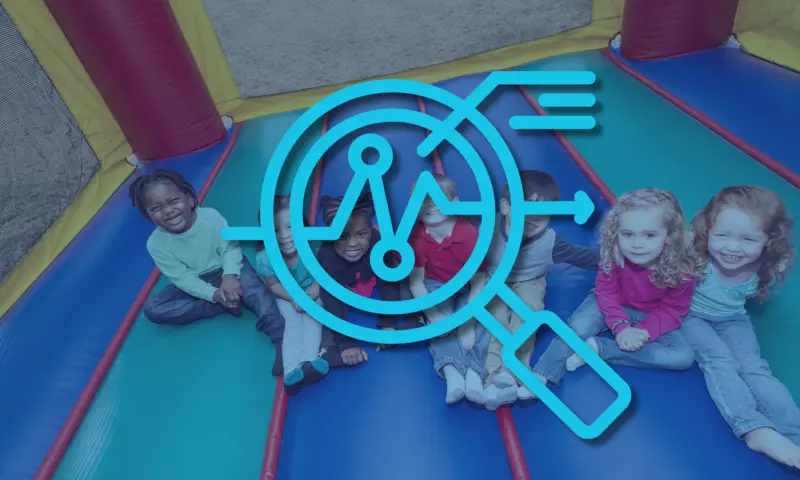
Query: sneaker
{"points": [[293, 381], [314, 371]]}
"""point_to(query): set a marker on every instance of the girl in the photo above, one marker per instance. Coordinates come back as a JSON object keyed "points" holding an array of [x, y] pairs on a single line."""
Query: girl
{"points": [[744, 235], [347, 260], [642, 291], [302, 364]]}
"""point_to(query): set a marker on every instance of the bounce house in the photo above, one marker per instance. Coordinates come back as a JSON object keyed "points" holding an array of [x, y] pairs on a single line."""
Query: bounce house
{"points": [[691, 96]]}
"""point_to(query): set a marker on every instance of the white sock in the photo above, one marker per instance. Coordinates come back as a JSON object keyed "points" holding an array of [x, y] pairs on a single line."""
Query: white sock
{"points": [[497, 397], [525, 393], [455, 384], [475, 388], [503, 379], [574, 361]]}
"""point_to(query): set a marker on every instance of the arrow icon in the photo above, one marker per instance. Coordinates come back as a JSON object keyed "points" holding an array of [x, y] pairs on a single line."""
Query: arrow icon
{"points": [[582, 207]]}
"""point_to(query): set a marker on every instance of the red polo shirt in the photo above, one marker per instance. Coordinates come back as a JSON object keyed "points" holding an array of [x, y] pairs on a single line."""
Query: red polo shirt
{"points": [[442, 261]]}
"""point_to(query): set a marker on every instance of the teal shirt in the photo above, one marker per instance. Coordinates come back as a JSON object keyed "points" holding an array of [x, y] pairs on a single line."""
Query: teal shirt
{"points": [[299, 272], [183, 257], [717, 297]]}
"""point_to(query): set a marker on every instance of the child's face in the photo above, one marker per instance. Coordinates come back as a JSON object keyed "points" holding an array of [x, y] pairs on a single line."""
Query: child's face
{"points": [[354, 242], [534, 224], [429, 214], [642, 235], [169, 207], [283, 232], [736, 239]]}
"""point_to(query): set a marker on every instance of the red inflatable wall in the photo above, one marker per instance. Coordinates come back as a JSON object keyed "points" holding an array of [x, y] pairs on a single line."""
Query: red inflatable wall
{"points": [[136, 56], [653, 29]]}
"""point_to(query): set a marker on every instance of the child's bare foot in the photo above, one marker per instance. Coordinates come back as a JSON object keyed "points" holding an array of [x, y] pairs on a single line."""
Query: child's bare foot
{"points": [[774, 445], [474, 388], [354, 356], [574, 361]]}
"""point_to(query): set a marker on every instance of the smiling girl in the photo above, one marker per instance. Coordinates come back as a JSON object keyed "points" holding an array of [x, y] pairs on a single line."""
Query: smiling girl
{"points": [[744, 234], [302, 365], [641, 294], [347, 261]]}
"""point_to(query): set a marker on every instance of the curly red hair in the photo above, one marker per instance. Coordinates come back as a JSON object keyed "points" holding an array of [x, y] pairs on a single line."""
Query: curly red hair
{"points": [[778, 256]]}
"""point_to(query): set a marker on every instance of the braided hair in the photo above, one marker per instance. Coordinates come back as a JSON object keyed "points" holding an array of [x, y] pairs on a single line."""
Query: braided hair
{"points": [[139, 187], [329, 207]]}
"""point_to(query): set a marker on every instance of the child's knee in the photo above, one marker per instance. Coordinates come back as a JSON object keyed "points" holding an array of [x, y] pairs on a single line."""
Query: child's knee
{"points": [[533, 299], [677, 358], [153, 312], [584, 325], [685, 359], [753, 365]]}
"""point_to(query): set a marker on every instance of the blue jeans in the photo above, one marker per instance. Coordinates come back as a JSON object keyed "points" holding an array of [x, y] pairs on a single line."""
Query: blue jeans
{"points": [[173, 306], [739, 381], [447, 350], [669, 351]]}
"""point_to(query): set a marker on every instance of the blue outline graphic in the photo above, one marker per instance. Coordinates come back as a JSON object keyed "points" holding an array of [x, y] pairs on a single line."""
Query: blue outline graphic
{"points": [[581, 208]]}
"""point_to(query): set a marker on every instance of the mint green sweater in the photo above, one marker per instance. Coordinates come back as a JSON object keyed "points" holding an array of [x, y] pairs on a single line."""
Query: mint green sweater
{"points": [[183, 257]]}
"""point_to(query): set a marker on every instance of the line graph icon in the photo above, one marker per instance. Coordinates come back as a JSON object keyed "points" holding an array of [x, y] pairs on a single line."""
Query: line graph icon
{"points": [[372, 175]]}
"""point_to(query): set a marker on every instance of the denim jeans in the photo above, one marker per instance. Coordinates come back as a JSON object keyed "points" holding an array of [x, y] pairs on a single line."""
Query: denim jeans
{"points": [[173, 306], [301, 336], [531, 292], [447, 350], [670, 351], [739, 380]]}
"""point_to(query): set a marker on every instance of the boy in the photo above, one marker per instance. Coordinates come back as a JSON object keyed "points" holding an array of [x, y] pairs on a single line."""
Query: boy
{"points": [[442, 244], [541, 248], [209, 275]]}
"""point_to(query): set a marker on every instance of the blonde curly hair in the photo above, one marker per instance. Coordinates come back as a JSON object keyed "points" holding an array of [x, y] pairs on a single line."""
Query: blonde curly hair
{"points": [[677, 262], [778, 256]]}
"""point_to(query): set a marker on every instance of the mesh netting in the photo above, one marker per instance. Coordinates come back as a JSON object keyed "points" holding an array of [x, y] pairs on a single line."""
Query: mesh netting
{"points": [[44, 158]]}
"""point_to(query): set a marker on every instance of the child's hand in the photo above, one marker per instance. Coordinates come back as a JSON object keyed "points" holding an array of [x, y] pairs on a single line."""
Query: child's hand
{"points": [[297, 307], [632, 339], [219, 297], [232, 288], [313, 291]]}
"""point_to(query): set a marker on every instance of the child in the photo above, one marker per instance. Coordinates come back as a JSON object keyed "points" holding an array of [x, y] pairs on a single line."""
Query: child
{"points": [[641, 293], [347, 260], [744, 234], [442, 245], [302, 334], [541, 248], [209, 275]]}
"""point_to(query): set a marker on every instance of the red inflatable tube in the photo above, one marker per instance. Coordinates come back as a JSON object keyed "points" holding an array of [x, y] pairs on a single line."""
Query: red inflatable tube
{"points": [[135, 53], [62, 441], [655, 29]]}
